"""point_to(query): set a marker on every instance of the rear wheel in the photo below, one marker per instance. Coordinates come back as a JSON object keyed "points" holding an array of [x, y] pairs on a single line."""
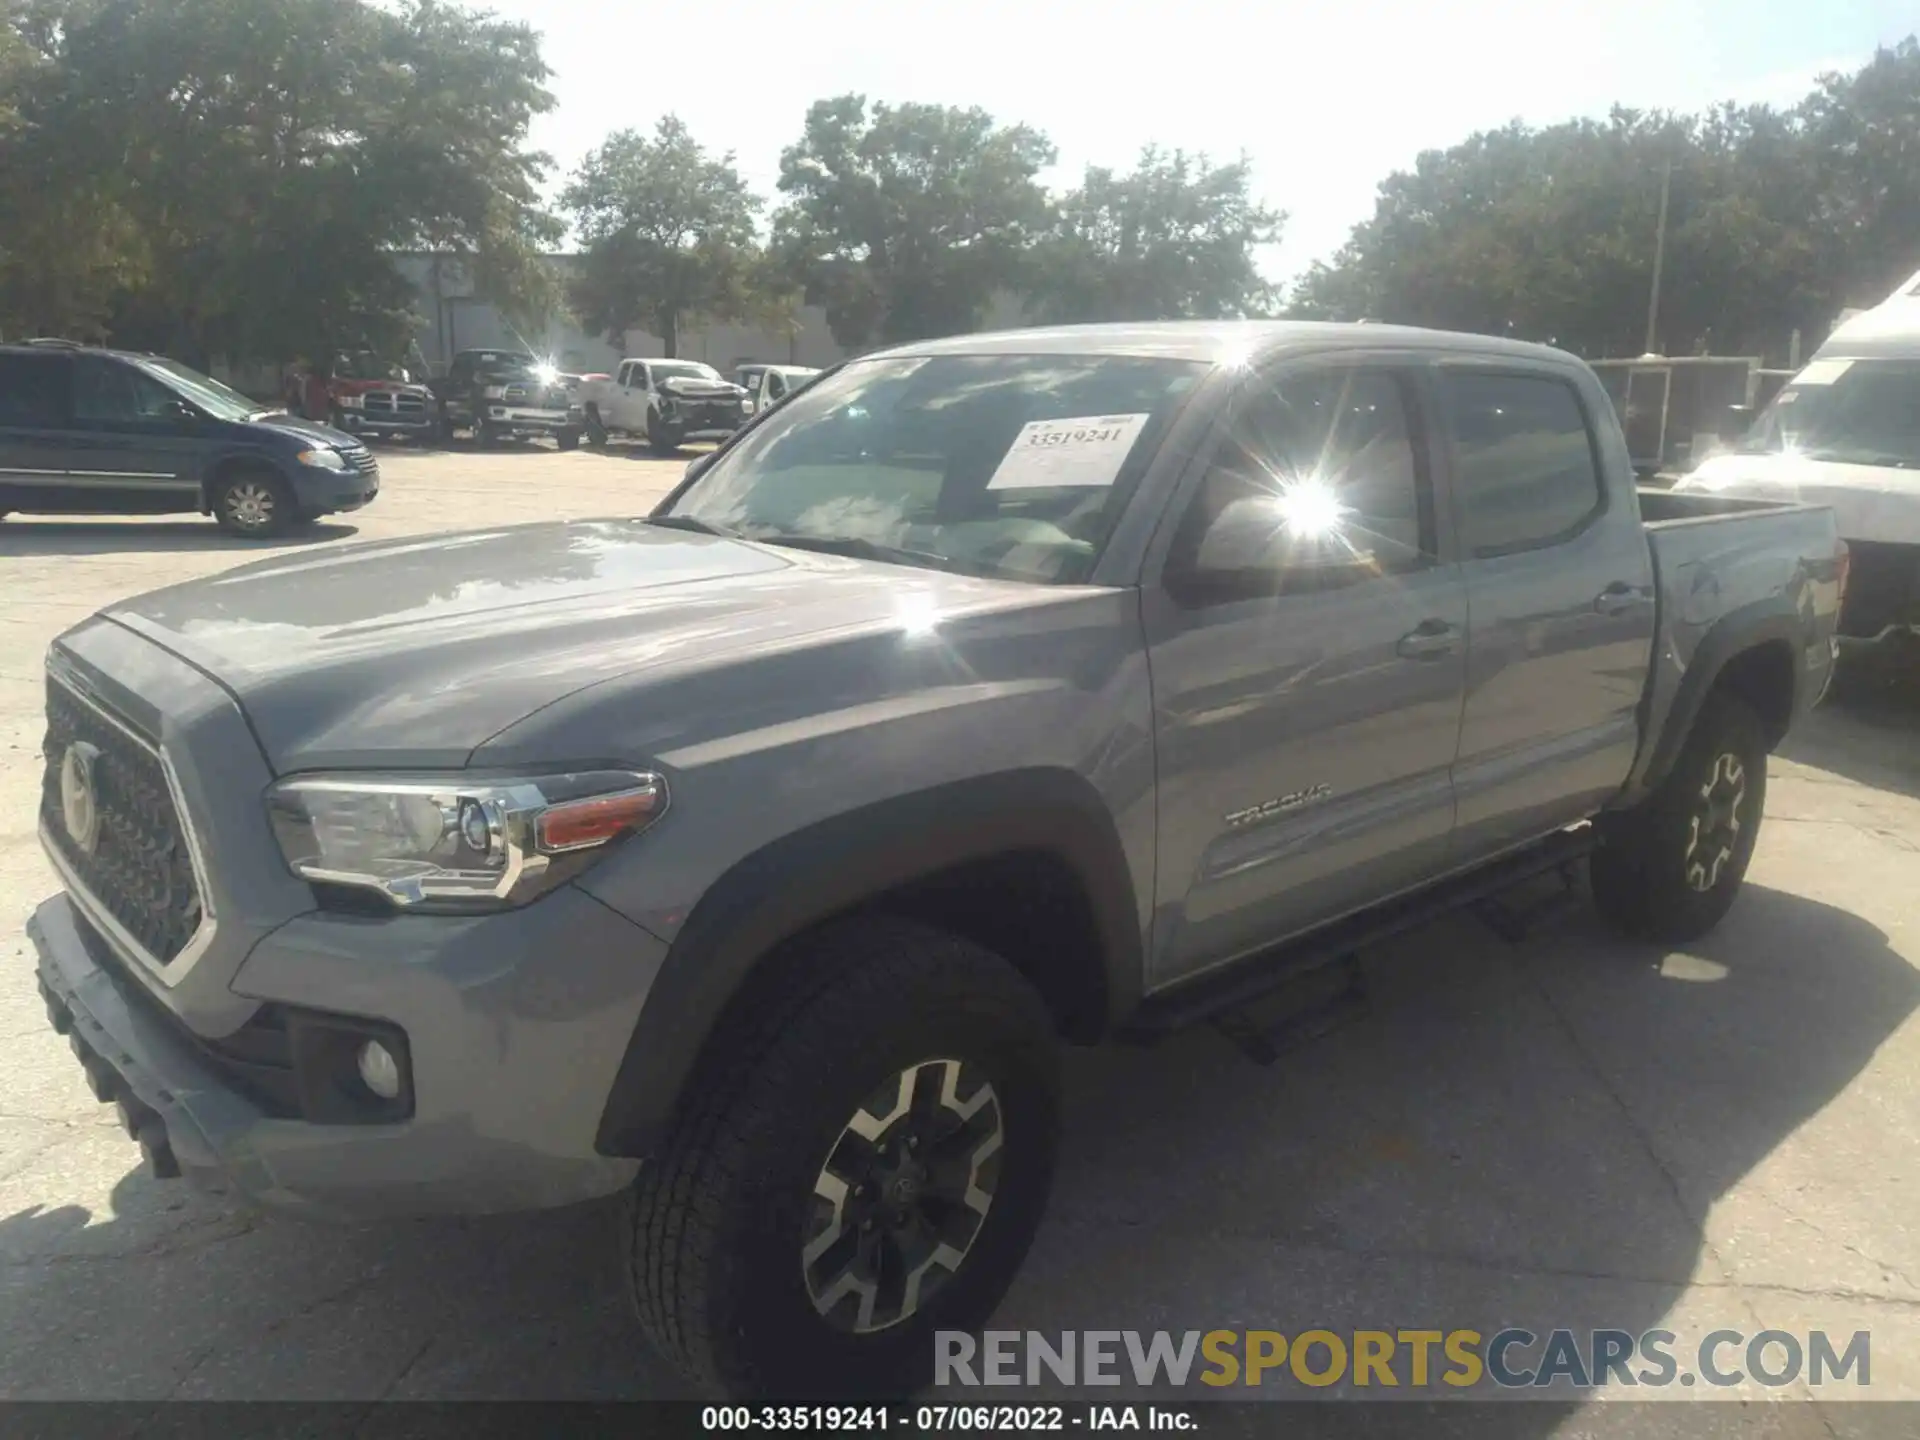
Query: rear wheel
{"points": [[1669, 869], [254, 503], [861, 1162]]}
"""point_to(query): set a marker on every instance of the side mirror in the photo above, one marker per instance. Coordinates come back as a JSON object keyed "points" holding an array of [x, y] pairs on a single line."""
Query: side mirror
{"points": [[1254, 549]]}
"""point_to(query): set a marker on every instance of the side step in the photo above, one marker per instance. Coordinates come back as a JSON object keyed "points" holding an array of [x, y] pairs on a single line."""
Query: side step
{"points": [[1337, 944]]}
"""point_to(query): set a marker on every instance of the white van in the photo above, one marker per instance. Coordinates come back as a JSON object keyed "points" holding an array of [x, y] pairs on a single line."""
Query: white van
{"points": [[1845, 433]]}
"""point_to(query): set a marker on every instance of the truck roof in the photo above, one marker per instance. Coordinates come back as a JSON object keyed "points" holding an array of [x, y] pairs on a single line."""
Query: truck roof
{"points": [[1219, 341]]}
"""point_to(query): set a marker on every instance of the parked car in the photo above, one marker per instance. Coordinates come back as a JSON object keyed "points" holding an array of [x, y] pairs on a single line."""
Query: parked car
{"points": [[756, 856], [86, 431], [367, 395], [770, 384], [503, 394], [664, 402], [1845, 433]]}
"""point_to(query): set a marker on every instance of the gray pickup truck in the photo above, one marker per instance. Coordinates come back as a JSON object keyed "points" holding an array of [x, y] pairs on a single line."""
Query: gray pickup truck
{"points": [[755, 857]]}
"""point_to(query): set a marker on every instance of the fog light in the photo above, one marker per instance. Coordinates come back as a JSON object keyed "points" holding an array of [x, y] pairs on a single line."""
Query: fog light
{"points": [[379, 1071]]}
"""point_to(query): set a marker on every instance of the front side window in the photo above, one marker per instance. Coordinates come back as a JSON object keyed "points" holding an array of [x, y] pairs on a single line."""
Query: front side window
{"points": [[1524, 469], [1849, 412], [1014, 466], [1318, 483], [107, 392], [209, 394]]}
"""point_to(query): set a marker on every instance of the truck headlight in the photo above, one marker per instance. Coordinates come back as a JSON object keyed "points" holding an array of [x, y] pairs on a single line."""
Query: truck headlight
{"points": [[323, 459], [456, 842], [351, 402], [494, 392]]}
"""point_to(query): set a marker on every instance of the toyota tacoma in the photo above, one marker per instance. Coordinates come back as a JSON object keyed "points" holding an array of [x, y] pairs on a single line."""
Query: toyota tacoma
{"points": [[755, 857]]}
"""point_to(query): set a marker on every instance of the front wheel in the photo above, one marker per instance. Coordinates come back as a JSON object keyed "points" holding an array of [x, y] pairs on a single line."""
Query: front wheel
{"points": [[1669, 869], [568, 439], [861, 1161], [596, 428], [255, 504], [662, 439]]}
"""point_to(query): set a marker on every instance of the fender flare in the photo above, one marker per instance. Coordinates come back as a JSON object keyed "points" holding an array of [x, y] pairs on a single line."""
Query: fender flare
{"points": [[834, 866], [1731, 636]]}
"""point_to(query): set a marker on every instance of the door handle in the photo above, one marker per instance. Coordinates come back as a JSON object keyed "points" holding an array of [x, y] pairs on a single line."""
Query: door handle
{"points": [[1429, 640], [1615, 598]]}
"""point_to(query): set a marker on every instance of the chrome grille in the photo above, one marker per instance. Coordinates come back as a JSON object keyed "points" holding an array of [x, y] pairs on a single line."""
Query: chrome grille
{"points": [[138, 868]]}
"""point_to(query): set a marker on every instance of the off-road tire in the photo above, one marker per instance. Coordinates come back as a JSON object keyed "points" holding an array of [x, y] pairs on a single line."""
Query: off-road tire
{"points": [[241, 492], [1649, 865], [719, 1216]]}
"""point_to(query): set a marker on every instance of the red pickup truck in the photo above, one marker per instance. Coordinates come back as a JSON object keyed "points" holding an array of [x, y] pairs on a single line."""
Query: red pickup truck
{"points": [[363, 394]]}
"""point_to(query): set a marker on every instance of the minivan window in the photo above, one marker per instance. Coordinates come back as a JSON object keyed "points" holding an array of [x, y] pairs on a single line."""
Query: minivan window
{"points": [[110, 392], [203, 390], [1014, 466], [33, 391], [1849, 412], [1524, 468]]}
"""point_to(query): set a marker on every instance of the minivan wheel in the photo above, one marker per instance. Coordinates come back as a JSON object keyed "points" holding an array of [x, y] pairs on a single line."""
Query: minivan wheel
{"points": [[861, 1161], [1669, 869], [254, 503]]}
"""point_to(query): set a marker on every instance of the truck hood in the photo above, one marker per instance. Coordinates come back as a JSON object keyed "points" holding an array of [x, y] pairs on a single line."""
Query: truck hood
{"points": [[687, 388], [415, 652], [1869, 502]]}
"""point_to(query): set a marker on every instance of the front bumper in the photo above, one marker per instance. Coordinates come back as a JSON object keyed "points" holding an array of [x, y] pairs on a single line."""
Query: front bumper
{"points": [[329, 492], [358, 422], [515, 1027], [517, 418]]}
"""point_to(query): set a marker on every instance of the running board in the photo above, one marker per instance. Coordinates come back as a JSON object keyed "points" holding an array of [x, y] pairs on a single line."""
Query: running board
{"points": [[1265, 971]]}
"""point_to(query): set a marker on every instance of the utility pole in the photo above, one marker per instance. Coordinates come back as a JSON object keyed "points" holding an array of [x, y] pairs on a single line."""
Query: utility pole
{"points": [[1659, 254]]}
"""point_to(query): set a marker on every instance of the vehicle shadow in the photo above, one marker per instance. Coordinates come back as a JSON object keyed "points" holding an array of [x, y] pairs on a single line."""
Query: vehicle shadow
{"points": [[28, 536], [1870, 735], [1527, 1134]]}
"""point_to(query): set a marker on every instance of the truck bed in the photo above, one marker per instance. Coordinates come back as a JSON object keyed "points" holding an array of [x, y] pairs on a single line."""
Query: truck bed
{"points": [[1721, 558]]}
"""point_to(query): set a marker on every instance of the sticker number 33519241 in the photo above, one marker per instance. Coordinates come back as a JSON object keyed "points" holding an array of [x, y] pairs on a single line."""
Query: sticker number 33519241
{"points": [[1079, 450]]}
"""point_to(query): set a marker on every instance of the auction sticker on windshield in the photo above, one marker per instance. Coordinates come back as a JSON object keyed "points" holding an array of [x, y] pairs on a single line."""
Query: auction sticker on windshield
{"points": [[1079, 450]]}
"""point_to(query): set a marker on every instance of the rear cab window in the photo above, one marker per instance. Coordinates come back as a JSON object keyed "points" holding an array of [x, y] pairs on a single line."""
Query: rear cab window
{"points": [[1526, 473]]}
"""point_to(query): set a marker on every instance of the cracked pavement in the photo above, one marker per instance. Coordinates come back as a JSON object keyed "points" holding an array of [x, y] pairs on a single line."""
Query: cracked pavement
{"points": [[1569, 1131]]}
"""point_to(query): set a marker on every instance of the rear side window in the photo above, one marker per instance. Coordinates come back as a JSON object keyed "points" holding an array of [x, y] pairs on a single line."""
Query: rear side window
{"points": [[33, 390], [1524, 466]]}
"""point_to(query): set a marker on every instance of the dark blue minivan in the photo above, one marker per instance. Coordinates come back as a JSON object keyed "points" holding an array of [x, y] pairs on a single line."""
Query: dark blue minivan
{"points": [[104, 432]]}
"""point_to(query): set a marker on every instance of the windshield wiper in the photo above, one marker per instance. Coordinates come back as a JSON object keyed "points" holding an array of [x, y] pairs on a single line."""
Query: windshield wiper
{"points": [[862, 549]]}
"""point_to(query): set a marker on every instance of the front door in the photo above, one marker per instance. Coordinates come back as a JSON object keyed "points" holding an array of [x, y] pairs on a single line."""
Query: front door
{"points": [[1308, 649], [132, 445], [632, 399]]}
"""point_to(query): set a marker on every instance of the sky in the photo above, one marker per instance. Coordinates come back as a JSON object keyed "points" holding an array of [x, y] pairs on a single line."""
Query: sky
{"points": [[1326, 99]]}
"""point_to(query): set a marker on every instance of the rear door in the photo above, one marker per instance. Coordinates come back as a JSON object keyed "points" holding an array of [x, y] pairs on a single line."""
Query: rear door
{"points": [[1308, 662], [34, 395], [132, 447], [1560, 601]]}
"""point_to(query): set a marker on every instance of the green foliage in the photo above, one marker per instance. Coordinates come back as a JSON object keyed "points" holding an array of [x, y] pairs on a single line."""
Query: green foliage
{"points": [[904, 221], [668, 232], [235, 173], [1777, 219], [1174, 239]]}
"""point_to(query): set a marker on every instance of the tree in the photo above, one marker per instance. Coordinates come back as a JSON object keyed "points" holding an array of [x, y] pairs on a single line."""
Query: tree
{"points": [[1778, 219], [904, 222], [266, 157], [668, 232], [1174, 239]]}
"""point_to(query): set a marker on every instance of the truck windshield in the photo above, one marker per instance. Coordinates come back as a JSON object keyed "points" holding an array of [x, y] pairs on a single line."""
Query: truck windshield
{"points": [[203, 390], [1851, 412], [1013, 466]]}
